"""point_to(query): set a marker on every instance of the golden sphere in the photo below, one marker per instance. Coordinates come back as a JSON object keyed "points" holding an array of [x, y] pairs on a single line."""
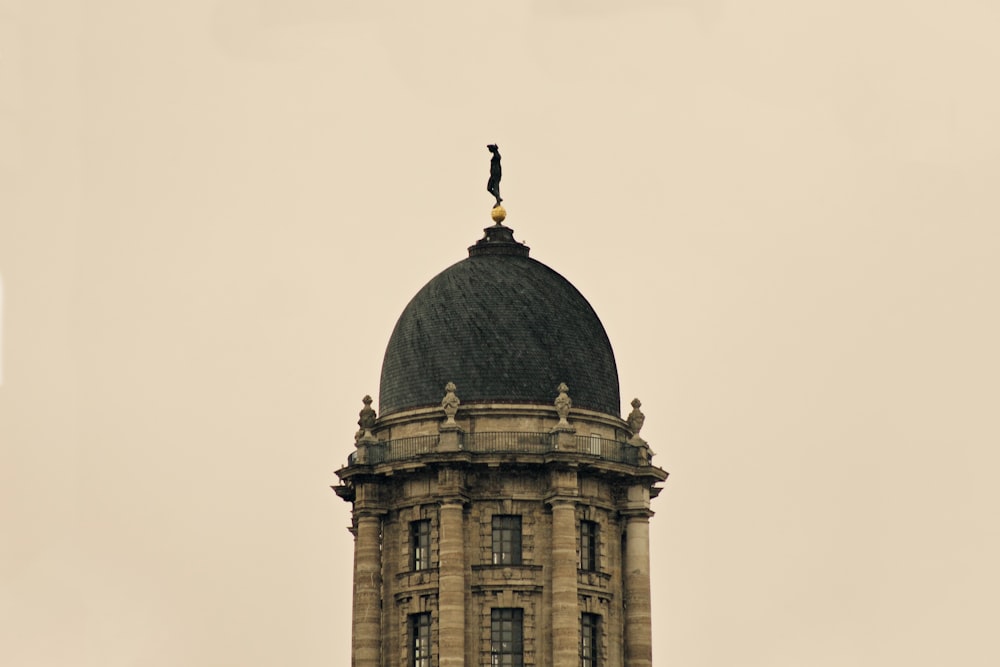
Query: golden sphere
{"points": [[499, 214]]}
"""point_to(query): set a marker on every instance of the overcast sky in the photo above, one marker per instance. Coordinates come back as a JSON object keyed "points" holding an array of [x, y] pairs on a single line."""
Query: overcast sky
{"points": [[784, 212]]}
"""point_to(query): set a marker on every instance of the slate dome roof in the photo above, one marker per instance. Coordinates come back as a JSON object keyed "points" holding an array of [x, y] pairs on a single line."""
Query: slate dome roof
{"points": [[504, 328]]}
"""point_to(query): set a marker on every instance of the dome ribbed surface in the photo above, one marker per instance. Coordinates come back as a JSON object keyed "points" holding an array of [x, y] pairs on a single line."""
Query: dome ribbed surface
{"points": [[504, 328]]}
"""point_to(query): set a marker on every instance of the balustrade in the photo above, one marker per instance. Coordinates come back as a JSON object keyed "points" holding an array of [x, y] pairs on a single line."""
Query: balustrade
{"points": [[498, 442]]}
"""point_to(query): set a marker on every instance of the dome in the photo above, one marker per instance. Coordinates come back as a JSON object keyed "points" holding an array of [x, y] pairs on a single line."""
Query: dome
{"points": [[504, 328]]}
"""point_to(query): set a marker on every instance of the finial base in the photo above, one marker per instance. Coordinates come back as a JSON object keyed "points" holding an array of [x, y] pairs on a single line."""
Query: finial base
{"points": [[499, 240], [499, 214]]}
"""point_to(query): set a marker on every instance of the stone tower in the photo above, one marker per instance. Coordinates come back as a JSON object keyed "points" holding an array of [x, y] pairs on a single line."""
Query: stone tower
{"points": [[500, 502]]}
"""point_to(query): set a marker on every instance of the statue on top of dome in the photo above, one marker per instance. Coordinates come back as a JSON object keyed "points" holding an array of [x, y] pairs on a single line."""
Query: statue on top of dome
{"points": [[493, 185]]}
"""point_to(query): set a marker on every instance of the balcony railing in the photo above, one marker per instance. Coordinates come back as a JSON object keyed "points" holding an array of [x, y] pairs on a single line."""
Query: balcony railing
{"points": [[507, 441], [501, 442], [401, 449], [609, 450]]}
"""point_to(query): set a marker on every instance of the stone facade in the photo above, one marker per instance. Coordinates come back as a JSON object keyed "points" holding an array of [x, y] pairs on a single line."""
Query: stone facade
{"points": [[500, 504], [572, 502]]}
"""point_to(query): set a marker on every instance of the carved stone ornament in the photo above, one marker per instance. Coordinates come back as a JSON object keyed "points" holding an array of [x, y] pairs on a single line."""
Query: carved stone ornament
{"points": [[366, 420], [563, 403], [635, 418], [450, 403], [645, 454]]}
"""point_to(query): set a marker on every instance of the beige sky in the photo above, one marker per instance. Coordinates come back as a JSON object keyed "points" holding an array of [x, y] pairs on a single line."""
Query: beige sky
{"points": [[785, 213]]}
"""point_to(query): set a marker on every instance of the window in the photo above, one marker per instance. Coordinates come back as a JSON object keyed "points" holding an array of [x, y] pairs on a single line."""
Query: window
{"points": [[589, 640], [588, 545], [420, 544], [420, 640], [506, 540], [506, 638]]}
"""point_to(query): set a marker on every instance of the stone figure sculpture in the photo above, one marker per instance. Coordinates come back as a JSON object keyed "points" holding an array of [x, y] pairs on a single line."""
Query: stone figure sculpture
{"points": [[635, 418], [493, 185], [366, 420], [635, 421], [563, 403], [450, 403]]}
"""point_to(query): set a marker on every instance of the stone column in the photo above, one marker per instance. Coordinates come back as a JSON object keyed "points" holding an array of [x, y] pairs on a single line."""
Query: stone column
{"points": [[565, 605], [366, 614], [638, 617], [451, 584]]}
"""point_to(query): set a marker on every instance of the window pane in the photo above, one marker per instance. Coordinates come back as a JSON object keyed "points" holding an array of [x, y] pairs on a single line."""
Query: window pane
{"points": [[589, 638], [420, 544], [506, 639], [506, 539], [588, 545], [420, 640]]}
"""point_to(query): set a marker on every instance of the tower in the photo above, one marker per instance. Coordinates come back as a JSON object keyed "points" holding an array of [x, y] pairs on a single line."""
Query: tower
{"points": [[501, 504]]}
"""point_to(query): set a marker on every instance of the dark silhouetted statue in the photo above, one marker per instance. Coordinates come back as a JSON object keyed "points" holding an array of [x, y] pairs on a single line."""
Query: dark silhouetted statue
{"points": [[493, 185]]}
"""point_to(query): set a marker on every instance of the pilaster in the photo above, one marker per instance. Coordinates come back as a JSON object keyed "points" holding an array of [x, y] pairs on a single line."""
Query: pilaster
{"points": [[565, 604], [452, 566], [367, 607], [638, 616]]}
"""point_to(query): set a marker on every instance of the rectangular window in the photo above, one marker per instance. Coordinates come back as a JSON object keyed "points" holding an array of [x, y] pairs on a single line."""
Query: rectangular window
{"points": [[420, 640], [420, 544], [588, 545], [506, 638], [506, 539], [589, 647]]}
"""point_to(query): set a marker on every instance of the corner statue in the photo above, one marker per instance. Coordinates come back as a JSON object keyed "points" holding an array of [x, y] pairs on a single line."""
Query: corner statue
{"points": [[493, 185]]}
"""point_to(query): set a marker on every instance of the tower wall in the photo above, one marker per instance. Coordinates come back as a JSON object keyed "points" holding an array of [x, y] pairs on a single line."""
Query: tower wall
{"points": [[508, 462], [510, 529]]}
